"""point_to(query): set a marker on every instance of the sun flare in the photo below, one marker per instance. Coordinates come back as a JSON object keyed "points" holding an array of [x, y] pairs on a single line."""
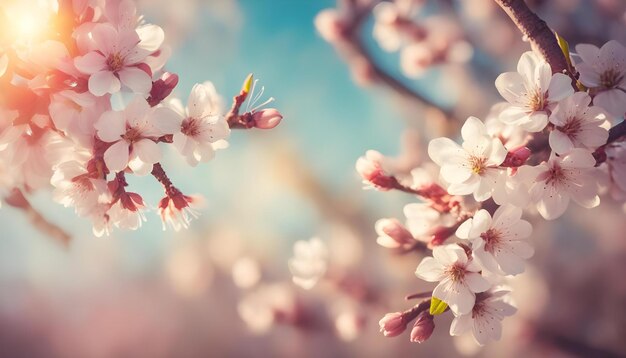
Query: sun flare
{"points": [[25, 21]]}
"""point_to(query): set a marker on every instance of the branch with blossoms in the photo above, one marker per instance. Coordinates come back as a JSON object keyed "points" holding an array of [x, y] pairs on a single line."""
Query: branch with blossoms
{"points": [[394, 30], [87, 102], [557, 136]]}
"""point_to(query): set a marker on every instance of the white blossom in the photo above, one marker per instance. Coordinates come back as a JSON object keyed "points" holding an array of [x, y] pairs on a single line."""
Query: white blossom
{"points": [[485, 318], [309, 262], [473, 167], [577, 125], [553, 183], [532, 92], [499, 243], [604, 70], [458, 276]]}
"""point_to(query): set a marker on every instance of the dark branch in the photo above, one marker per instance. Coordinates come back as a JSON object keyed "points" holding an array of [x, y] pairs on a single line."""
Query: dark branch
{"points": [[541, 38], [17, 200]]}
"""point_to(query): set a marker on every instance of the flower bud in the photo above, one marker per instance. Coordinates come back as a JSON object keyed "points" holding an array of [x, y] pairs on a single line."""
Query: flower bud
{"points": [[516, 157], [267, 118], [370, 168], [162, 88], [330, 25], [423, 327], [392, 234], [392, 324]]}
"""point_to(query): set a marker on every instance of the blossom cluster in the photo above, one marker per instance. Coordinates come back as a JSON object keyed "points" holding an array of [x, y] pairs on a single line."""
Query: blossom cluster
{"points": [[556, 138], [86, 101], [403, 26]]}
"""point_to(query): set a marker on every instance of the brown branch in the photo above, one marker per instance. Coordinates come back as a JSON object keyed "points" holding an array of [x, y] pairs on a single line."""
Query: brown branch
{"points": [[541, 38], [355, 53], [17, 200]]}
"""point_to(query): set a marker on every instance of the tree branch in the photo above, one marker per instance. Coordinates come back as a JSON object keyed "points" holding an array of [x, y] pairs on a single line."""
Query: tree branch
{"points": [[541, 38], [17, 200], [356, 54]]}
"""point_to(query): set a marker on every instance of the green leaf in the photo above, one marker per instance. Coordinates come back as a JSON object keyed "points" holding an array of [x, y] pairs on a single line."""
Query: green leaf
{"points": [[564, 48], [437, 306], [247, 84]]}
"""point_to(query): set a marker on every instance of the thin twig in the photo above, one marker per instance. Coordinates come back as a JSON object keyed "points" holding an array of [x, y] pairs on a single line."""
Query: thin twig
{"points": [[355, 50], [17, 200]]}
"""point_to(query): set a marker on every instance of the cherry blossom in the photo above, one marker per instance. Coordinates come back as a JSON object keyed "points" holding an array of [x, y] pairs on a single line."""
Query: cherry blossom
{"points": [[604, 71], [177, 209], [76, 187], [473, 167], [458, 276], [133, 133], [116, 58], [554, 182], [498, 243], [202, 127], [485, 318], [532, 92], [577, 125], [309, 262]]}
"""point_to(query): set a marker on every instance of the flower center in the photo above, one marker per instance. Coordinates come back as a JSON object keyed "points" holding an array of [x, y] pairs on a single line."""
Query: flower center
{"points": [[478, 164], [555, 175], [572, 127], [610, 78], [456, 272], [492, 238], [190, 127], [115, 62], [132, 135], [537, 100]]}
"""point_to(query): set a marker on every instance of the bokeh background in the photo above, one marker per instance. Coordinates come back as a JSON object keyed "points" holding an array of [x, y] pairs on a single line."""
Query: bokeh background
{"points": [[154, 293]]}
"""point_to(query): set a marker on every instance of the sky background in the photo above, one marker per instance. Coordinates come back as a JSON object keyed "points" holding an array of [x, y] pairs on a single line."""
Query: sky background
{"points": [[328, 123]]}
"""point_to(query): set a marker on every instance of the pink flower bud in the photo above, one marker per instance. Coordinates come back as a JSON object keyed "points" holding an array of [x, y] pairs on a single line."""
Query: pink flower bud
{"points": [[441, 234], [162, 88], [330, 25], [370, 168], [516, 157], [392, 324], [392, 234], [267, 118], [423, 327]]}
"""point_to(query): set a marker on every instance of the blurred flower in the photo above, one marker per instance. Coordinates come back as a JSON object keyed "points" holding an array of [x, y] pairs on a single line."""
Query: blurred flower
{"points": [[309, 262], [267, 305], [373, 169], [349, 325], [392, 234], [604, 70], [246, 272], [330, 24]]}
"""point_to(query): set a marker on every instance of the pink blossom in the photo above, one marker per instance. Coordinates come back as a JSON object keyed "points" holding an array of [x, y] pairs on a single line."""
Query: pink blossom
{"points": [[133, 133], [115, 58]]}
